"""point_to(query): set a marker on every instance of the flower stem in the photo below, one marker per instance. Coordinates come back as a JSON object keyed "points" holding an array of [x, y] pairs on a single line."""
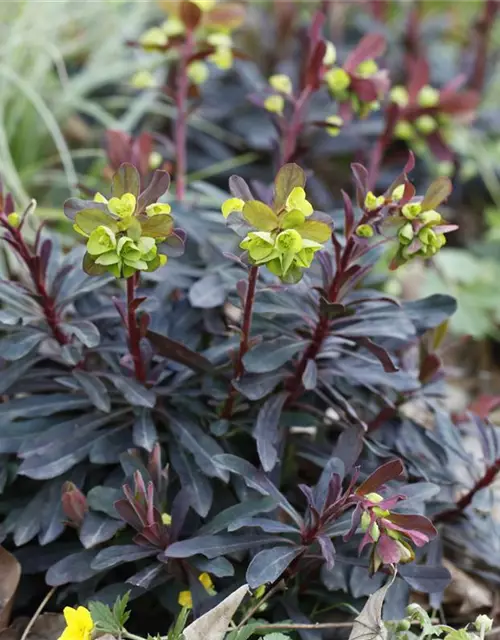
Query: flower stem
{"points": [[32, 263], [293, 129], [246, 327], [134, 332], [181, 95]]}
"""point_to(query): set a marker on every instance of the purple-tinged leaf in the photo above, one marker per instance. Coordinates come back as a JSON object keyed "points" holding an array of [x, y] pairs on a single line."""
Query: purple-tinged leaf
{"points": [[134, 392], [268, 565], [84, 330], [98, 528], [94, 388], [179, 353], [209, 292], [272, 354], [437, 193], [239, 189], [159, 185], [126, 180], [266, 431], [266, 524], [195, 485], [327, 550], [147, 577], [348, 208], [288, 177], [21, 343], [349, 446], [73, 568], [371, 46], [380, 353], [388, 471], [218, 545], [246, 510], [310, 375], [332, 475], [144, 430], [425, 578], [257, 386], [120, 554]]}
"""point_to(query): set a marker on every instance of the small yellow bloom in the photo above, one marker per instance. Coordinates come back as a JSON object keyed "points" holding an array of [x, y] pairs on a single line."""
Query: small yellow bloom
{"points": [[403, 130], [173, 27], [232, 204], [197, 72], [79, 624], [153, 38], [166, 518], [297, 200], [220, 40], [372, 202], [185, 600], [426, 124], [398, 192], [337, 80], [334, 125], [123, 206], [428, 97], [206, 581], [158, 208], [222, 57], [400, 96], [143, 80], [364, 231], [274, 104], [13, 219], [411, 210], [155, 160], [163, 259], [367, 68], [100, 198], [282, 83]]}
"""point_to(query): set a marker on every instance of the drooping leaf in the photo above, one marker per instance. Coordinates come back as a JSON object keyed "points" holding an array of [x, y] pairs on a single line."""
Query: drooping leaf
{"points": [[197, 487], [120, 554], [266, 431], [230, 515], [369, 624], [179, 353], [268, 565], [159, 185]]}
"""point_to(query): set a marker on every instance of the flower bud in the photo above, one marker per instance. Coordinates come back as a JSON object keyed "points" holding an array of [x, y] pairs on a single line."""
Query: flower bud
{"points": [[430, 218], [158, 208], [74, 504], [406, 234], [337, 80], [206, 581], [372, 202], [365, 521], [398, 192], [166, 518], [330, 54], [403, 625], [376, 498], [375, 532], [364, 231], [483, 623], [155, 160], [282, 83], [428, 97], [403, 130], [411, 210], [14, 219], [367, 68], [297, 200], [274, 104], [335, 123], [153, 38], [143, 80], [400, 96], [185, 600], [173, 26], [426, 124], [197, 72], [428, 237]]}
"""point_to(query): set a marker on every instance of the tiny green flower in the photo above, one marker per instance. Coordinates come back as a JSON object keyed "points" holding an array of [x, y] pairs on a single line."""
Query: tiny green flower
{"points": [[163, 260], [220, 40], [100, 241], [166, 518], [289, 241], [153, 38], [158, 208], [406, 234], [372, 202], [411, 210], [222, 57], [143, 80], [305, 256], [282, 83], [14, 219], [430, 218], [260, 246], [297, 200], [400, 96], [403, 130], [364, 231], [428, 97], [373, 497], [197, 72], [337, 80], [426, 124], [483, 623], [428, 237], [335, 124], [147, 247], [98, 197], [232, 204], [367, 68], [365, 108], [274, 104], [131, 256], [123, 206], [445, 168], [172, 27], [365, 521], [398, 192], [330, 54], [375, 532]]}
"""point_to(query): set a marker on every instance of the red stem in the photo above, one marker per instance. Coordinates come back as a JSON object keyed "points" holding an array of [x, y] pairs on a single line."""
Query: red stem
{"points": [[246, 327], [181, 122], [483, 28], [134, 332], [292, 131], [464, 502], [46, 300]]}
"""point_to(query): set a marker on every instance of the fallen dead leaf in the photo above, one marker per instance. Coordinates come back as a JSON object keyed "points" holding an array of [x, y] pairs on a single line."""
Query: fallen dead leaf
{"points": [[10, 572], [465, 594], [48, 626]]}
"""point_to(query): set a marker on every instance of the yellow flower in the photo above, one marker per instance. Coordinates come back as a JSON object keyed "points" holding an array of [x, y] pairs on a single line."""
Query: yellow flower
{"points": [[274, 104], [123, 206], [411, 210], [364, 231], [143, 80], [398, 192], [297, 200], [400, 96], [334, 125], [222, 57], [155, 160], [152, 38], [13, 219], [330, 54], [372, 202], [282, 83], [337, 80], [206, 581], [426, 124], [367, 68], [166, 518], [79, 624], [403, 130], [100, 198], [158, 208], [173, 27], [197, 72], [428, 97], [185, 600]]}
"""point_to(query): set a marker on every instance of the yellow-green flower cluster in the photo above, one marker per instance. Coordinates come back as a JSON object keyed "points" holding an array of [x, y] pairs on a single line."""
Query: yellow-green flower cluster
{"points": [[422, 226], [209, 25], [415, 123], [124, 233], [286, 235], [282, 88]]}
